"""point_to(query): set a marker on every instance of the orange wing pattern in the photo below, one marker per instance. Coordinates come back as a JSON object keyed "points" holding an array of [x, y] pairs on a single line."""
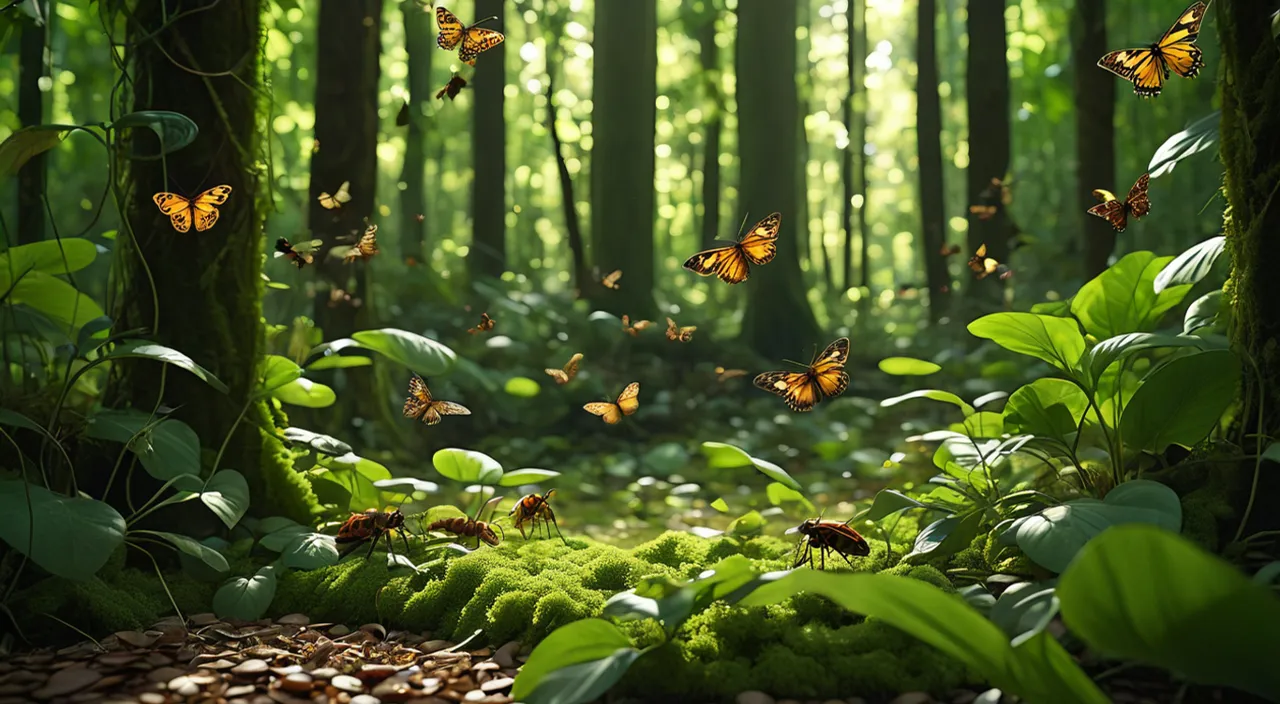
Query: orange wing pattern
{"points": [[824, 378], [486, 323], [182, 211], [470, 41], [732, 264], [564, 376], [422, 406], [1116, 211], [675, 332], [1148, 67], [628, 402], [365, 248]]}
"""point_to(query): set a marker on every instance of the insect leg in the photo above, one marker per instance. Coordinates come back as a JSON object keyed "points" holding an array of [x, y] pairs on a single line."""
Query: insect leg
{"points": [[557, 525], [349, 549], [846, 559], [372, 544], [406, 543]]}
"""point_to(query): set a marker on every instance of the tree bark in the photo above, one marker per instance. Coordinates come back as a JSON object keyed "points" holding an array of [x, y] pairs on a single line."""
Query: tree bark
{"points": [[31, 178], [856, 135], [488, 253], [778, 321], [420, 48], [929, 148], [714, 124], [1095, 94], [570, 203], [861, 107], [987, 86], [208, 284], [622, 160]]}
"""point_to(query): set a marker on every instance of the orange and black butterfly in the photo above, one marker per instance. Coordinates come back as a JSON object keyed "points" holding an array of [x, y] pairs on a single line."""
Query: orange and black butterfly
{"points": [[420, 405], [338, 199], [824, 378], [1148, 67], [182, 211], [675, 332], [633, 329], [470, 39], [723, 375], [611, 280], [452, 88], [949, 250], [992, 199], [1117, 212], [566, 375], [628, 402], [486, 324], [299, 254], [733, 263], [984, 266], [365, 248]]}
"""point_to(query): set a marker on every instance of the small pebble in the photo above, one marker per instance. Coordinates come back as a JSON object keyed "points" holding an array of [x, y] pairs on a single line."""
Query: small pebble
{"points": [[252, 666], [297, 682], [497, 685], [347, 683], [754, 697]]}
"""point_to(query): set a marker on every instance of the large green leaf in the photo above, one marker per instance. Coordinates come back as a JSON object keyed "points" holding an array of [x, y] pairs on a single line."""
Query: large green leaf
{"points": [[1123, 298], [528, 475], [22, 145], [1141, 593], [305, 393], [933, 395], [74, 536], [277, 372], [1054, 536], [1202, 312], [724, 456], [227, 495], [1055, 340], [166, 447], [889, 502], [1050, 408], [55, 298], [141, 349], [946, 536], [175, 130], [1191, 266], [309, 551], [1199, 136], [1025, 609], [424, 356], [70, 254], [602, 650], [1102, 355], [190, 546], [323, 444], [467, 466], [1181, 402], [246, 598], [357, 476]]}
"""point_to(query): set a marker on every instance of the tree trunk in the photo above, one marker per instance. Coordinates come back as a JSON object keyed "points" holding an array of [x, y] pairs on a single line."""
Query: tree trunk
{"points": [[804, 90], [861, 107], [348, 47], [778, 321], [855, 135], [714, 123], [929, 148], [622, 160], [31, 178], [1250, 151], [419, 47], [987, 86], [488, 253], [572, 227], [1095, 93], [205, 66]]}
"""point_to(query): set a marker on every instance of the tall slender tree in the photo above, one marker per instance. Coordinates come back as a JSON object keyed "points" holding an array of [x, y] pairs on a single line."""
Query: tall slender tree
{"points": [[488, 253], [1095, 92], [622, 160], [31, 68], [204, 65], [987, 86], [929, 149], [778, 318], [713, 120], [420, 48]]}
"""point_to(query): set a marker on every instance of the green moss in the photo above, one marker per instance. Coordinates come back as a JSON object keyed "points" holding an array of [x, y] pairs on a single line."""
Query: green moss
{"points": [[288, 493]]}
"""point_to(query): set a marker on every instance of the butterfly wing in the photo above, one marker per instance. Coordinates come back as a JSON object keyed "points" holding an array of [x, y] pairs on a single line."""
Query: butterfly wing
{"points": [[609, 412], [1138, 203], [177, 208], [558, 375], [450, 29], [203, 206], [672, 331], [611, 281], [760, 243], [571, 368], [477, 40], [728, 263], [797, 389], [1177, 46], [419, 401], [449, 408], [629, 399], [1143, 67], [1113, 211]]}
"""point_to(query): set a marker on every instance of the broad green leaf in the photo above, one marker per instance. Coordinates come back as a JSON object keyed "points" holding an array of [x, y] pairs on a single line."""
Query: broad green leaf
{"points": [[889, 502], [1191, 266], [190, 546], [24, 144], [74, 536], [92, 334], [1025, 609], [56, 299], [1138, 593], [142, 349], [1123, 298], [748, 524], [407, 485], [1054, 536], [323, 444], [335, 361], [590, 640], [933, 395], [55, 257], [724, 456], [984, 424], [175, 130], [246, 598], [722, 507], [419, 354], [309, 551], [17, 420], [467, 466], [1055, 340], [522, 387], [1038, 670], [1199, 136], [227, 495], [306, 393], [1105, 353], [167, 447], [1050, 408], [529, 475], [281, 538], [907, 366], [1181, 402], [779, 494], [1202, 312], [946, 536], [276, 373]]}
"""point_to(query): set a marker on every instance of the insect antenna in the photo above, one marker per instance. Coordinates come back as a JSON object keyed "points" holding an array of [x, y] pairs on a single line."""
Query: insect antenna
{"points": [[798, 364], [743, 225], [487, 19]]}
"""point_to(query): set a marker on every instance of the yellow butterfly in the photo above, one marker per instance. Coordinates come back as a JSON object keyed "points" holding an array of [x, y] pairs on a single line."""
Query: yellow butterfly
{"points": [[730, 263], [628, 402], [634, 329], [335, 201], [611, 281], [182, 211], [564, 376], [675, 332], [1148, 68], [824, 378], [421, 405], [473, 39], [366, 247]]}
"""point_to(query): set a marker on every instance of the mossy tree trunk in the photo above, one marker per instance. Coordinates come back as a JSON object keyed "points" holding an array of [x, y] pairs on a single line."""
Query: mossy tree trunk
{"points": [[1095, 92], [929, 147], [208, 284], [622, 160], [778, 321], [488, 253]]}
